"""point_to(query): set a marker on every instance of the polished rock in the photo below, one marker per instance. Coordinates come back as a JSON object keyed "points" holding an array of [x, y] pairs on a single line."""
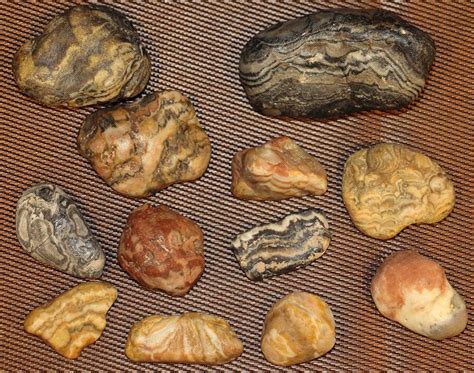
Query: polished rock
{"points": [[277, 170], [190, 338], [413, 290], [283, 246], [388, 187], [52, 230], [143, 147], [162, 249], [336, 62], [87, 55], [298, 328], [73, 320]]}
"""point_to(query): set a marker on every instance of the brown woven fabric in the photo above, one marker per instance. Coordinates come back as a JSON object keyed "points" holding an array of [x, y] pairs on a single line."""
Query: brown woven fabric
{"points": [[195, 49]]}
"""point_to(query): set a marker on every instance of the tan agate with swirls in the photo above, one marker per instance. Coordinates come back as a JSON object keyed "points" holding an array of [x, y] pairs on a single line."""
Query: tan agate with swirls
{"points": [[388, 186]]}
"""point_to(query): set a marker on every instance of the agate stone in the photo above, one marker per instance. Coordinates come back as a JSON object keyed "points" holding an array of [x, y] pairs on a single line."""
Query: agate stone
{"points": [[298, 328], [162, 249], [277, 170], [52, 230], [190, 338], [336, 62], [388, 187], [87, 55], [283, 246], [73, 320], [145, 146], [413, 290]]}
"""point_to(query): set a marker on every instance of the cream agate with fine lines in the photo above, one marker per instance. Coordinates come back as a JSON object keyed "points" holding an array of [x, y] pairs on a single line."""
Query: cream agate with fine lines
{"points": [[191, 338]]}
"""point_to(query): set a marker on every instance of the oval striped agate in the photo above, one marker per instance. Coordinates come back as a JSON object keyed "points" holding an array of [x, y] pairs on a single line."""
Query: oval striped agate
{"points": [[336, 62], [283, 246]]}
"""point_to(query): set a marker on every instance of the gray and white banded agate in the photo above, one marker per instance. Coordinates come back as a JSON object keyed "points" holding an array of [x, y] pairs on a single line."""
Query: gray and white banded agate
{"points": [[52, 230]]}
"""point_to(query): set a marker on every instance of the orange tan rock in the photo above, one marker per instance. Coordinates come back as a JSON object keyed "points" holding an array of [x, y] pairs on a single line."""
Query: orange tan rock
{"points": [[298, 328], [277, 170], [162, 249], [192, 338], [388, 186], [73, 320], [413, 290]]}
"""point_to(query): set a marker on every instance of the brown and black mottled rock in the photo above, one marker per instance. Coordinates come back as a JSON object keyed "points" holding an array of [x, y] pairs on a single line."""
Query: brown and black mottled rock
{"points": [[87, 55], [336, 62], [145, 146]]}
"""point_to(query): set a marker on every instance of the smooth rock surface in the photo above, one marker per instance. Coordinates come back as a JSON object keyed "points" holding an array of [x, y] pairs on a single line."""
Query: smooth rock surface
{"points": [[277, 170], [162, 249], [298, 328], [413, 290], [283, 246], [336, 62], [387, 187], [74, 319], [190, 338], [145, 146], [87, 55], [52, 230]]}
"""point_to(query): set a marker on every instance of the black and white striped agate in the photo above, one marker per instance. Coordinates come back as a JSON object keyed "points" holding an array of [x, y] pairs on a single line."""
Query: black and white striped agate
{"points": [[283, 246], [336, 62], [52, 230]]}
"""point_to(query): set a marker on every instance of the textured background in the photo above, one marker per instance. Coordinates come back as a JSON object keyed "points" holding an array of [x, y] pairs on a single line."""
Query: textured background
{"points": [[195, 49]]}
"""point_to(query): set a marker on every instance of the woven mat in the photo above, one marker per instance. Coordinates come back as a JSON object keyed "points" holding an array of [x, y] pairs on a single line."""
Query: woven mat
{"points": [[195, 49]]}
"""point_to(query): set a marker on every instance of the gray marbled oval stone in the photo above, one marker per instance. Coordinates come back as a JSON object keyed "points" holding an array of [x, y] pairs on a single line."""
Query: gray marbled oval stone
{"points": [[52, 230], [283, 246], [336, 62]]}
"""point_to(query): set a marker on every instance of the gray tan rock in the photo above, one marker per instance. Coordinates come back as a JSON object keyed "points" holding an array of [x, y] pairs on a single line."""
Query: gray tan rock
{"points": [[388, 186], [413, 290], [283, 246], [52, 230], [145, 146], [276, 170], [73, 320], [336, 62], [191, 338], [87, 55], [162, 249], [299, 327]]}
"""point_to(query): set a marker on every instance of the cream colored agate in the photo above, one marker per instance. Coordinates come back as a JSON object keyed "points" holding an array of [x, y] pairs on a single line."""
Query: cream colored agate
{"points": [[388, 186], [192, 338], [414, 291], [74, 319], [298, 328]]}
